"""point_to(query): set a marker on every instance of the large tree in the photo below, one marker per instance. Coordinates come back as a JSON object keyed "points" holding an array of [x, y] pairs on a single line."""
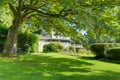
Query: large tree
{"points": [[72, 12], [23, 10]]}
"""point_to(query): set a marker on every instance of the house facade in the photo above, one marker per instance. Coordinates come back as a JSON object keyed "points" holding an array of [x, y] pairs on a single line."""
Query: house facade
{"points": [[45, 39]]}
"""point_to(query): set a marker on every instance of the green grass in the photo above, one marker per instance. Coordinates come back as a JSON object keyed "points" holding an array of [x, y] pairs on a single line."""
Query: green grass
{"points": [[57, 67]]}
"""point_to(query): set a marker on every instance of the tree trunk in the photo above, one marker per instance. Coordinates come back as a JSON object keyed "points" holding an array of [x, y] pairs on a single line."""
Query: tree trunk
{"points": [[10, 47]]}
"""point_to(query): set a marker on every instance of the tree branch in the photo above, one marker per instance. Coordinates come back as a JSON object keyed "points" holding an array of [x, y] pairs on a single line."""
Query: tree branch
{"points": [[20, 4], [27, 13], [36, 2], [38, 10], [13, 9], [31, 2], [32, 15]]}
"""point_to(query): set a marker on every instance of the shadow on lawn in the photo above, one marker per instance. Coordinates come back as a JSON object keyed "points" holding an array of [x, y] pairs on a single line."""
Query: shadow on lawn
{"points": [[37, 67], [110, 61], [103, 59], [87, 58], [57, 64], [104, 75]]}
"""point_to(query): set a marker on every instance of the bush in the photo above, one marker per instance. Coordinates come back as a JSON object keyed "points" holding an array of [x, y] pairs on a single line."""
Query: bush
{"points": [[53, 47], [100, 49], [113, 53], [72, 49], [85, 52], [3, 34], [27, 42]]}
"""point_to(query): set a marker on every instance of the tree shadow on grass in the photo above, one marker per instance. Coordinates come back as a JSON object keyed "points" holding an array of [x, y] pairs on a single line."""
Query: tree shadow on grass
{"points": [[102, 59], [87, 58], [37, 67], [50, 59], [56, 64], [110, 61], [103, 75]]}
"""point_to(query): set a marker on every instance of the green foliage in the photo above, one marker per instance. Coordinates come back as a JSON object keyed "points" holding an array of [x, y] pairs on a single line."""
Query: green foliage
{"points": [[117, 40], [72, 49], [84, 52], [3, 34], [1, 3], [97, 17], [53, 47], [27, 42], [113, 53], [5, 16], [100, 49]]}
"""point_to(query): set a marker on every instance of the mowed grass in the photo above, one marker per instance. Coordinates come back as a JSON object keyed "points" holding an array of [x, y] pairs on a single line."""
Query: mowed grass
{"points": [[53, 66]]}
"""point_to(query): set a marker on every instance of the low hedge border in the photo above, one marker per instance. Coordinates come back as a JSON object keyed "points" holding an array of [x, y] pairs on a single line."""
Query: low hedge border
{"points": [[113, 53], [99, 49]]}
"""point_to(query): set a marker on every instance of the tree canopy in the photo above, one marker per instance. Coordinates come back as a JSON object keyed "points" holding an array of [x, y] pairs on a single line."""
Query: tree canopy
{"points": [[97, 17]]}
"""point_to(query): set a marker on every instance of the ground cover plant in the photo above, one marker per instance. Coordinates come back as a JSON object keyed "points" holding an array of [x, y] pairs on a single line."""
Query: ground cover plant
{"points": [[53, 66]]}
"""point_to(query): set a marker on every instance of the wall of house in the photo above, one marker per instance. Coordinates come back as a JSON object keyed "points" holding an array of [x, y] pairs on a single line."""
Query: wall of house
{"points": [[47, 38], [42, 43]]}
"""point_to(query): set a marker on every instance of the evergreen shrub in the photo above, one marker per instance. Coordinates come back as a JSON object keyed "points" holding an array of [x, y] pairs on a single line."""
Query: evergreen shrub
{"points": [[113, 53], [99, 49]]}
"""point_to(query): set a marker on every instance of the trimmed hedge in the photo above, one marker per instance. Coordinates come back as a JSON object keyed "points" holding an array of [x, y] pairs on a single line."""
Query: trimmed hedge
{"points": [[113, 53], [53, 47], [100, 49], [27, 42]]}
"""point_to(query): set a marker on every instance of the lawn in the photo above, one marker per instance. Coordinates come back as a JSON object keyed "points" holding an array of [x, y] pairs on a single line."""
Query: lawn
{"points": [[57, 67]]}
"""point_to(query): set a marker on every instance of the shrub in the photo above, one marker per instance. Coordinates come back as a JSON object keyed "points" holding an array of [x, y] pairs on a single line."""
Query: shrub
{"points": [[72, 49], [113, 53], [100, 49], [27, 42], [85, 52], [3, 34], [53, 47]]}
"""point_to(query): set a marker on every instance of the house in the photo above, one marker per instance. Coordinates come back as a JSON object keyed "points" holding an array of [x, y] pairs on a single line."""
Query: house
{"points": [[47, 38]]}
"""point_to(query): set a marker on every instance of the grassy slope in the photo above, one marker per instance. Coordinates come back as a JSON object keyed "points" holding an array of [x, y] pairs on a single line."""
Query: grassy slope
{"points": [[57, 67]]}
